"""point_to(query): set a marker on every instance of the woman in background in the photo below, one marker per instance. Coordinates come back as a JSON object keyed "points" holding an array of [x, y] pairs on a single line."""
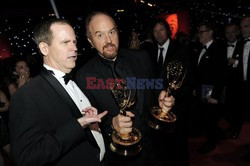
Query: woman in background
{"points": [[20, 74]]}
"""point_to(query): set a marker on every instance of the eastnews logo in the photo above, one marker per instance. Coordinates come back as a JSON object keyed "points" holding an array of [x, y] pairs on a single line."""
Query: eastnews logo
{"points": [[132, 83]]}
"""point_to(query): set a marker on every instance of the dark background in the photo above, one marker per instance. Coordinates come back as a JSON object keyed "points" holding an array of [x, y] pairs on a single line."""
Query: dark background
{"points": [[18, 17]]}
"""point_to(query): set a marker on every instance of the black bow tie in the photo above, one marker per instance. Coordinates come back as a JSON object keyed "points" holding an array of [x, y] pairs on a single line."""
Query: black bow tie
{"points": [[230, 45], [67, 77]]}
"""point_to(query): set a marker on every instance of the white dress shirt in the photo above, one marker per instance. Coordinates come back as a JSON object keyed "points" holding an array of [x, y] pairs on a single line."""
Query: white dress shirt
{"points": [[245, 58], [81, 102], [164, 52], [230, 51], [204, 50]]}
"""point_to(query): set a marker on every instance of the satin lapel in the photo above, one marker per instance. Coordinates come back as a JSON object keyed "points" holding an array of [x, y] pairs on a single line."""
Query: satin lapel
{"points": [[237, 51], [67, 99], [61, 92], [169, 53], [204, 56]]}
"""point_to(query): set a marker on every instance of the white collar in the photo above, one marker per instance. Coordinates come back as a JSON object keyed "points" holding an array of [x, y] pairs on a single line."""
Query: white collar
{"points": [[57, 73], [209, 43], [165, 45]]}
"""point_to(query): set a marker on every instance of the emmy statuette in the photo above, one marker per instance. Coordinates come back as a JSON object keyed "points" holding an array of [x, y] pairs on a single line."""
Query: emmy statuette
{"points": [[160, 119], [128, 144]]}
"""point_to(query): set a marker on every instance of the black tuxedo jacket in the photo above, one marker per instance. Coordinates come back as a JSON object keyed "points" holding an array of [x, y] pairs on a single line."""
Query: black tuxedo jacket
{"points": [[211, 69], [165, 142], [133, 64], [130, 63], [175, 51], [233, 74], [180, 53], [44, 127], [240, 67]]}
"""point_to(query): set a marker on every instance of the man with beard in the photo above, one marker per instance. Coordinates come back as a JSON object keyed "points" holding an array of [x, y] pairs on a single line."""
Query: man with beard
{"points": [[113, 62], [173, 143]]}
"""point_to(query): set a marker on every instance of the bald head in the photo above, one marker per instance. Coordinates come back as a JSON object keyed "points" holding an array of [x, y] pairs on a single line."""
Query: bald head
{"points": [[102, 34], [97, 16]]}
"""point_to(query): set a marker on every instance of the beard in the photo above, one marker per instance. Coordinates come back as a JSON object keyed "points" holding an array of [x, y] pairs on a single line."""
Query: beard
{"points": [[109, 51], [161, 40]]}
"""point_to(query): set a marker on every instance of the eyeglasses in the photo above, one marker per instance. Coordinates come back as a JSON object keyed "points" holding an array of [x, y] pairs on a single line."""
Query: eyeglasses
{"points": [[200, 32]]}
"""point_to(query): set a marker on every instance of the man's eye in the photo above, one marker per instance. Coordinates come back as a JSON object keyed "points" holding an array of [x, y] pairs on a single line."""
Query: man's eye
{"points": [[100, 35], [112, 32]]}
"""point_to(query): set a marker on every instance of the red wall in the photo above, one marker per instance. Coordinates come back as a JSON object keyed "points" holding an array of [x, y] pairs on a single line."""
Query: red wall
{"points": [[4, 47]]}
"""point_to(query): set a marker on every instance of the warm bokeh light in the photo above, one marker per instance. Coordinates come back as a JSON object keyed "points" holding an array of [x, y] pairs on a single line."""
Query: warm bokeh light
{"points": [[4, 48], [172, 20]]}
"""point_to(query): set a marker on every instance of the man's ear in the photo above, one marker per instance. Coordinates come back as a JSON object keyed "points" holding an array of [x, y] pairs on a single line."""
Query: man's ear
{"points": [[44, 48], [90, 42]]}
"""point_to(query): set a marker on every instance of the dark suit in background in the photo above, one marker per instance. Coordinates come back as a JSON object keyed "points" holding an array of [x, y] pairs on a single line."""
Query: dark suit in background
{"points": [[210, 77], [209, 69], [232, 85], [171, 146], [245, 79], [245, 83]]}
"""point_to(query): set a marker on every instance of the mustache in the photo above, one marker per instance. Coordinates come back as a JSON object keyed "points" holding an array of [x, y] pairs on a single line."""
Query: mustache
{"points": [[109, 45]]}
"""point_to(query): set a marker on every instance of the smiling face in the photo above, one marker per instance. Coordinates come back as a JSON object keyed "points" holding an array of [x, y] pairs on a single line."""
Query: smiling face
{"points": [[61, 54], [103, 35]]}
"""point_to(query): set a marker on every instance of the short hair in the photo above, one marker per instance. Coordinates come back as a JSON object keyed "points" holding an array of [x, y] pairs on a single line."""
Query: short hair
{"points": [[43, 33], [17, 59], [90, 17], [209, 26], [163, 22], [232, 25]]}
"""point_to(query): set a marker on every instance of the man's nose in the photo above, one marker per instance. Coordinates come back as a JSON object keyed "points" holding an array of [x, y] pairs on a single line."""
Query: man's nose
{"points": [[108, 39], [74, 47]]}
